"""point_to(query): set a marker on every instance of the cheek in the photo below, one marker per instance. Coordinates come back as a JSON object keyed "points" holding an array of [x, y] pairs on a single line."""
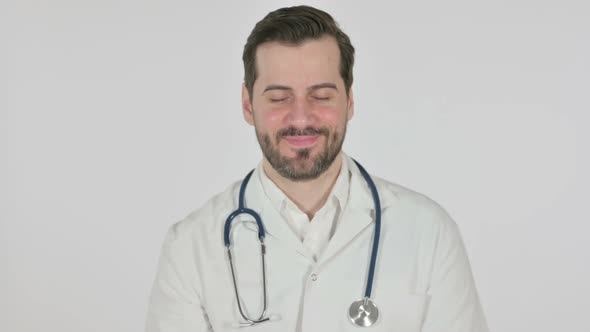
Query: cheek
{"points": [[332, 117], [268, 120], [274, 117]]}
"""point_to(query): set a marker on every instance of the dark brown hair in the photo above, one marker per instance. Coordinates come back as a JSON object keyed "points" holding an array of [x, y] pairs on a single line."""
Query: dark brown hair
{"points": [[294, 25]]}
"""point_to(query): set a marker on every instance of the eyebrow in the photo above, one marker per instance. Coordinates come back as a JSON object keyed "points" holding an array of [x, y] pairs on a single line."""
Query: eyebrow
{"points": [[311, 88]]}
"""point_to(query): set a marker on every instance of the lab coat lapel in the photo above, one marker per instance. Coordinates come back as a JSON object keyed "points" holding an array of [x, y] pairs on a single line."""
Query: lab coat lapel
{"points": [[280, 232], [276, 228], [358, 214]]}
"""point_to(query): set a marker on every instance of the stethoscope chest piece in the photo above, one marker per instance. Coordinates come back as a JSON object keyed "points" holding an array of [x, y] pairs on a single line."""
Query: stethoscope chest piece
{"points": [[363, 313]]}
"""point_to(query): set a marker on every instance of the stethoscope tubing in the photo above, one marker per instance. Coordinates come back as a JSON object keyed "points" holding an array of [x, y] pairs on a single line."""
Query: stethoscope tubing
{"points": [[377, 234], [243, 210]]}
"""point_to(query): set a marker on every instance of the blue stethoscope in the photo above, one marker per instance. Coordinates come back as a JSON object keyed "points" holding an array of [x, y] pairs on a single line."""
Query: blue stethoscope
{"points": [[362, 312]]}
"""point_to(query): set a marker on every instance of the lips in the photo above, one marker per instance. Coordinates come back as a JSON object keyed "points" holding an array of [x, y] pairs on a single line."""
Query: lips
{"points": [[301, 141]]}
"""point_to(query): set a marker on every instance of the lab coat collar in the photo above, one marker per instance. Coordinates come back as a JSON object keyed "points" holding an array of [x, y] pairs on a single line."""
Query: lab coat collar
{"points": [[357, 216], [274, 226]]}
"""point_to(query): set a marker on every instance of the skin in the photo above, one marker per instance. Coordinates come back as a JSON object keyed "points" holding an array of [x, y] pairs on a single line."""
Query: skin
{"points": [[300, 109]]}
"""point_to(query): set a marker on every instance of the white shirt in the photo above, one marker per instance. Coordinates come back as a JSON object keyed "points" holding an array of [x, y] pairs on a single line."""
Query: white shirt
{"points": [[314, 233]]}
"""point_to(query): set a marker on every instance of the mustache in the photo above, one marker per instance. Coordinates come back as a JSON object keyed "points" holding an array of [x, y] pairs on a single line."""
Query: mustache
{"points": [[308, 131]]}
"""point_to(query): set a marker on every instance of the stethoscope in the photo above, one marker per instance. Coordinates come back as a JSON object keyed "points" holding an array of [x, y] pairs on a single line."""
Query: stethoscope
{"points": [[362, 312]]}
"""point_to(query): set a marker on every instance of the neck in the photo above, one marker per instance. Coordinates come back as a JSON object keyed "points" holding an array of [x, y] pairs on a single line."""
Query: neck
{"points": [[310, 195]]}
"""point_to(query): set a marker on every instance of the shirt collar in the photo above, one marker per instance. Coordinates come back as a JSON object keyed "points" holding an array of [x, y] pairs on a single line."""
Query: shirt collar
{"points": [[340, 190]]}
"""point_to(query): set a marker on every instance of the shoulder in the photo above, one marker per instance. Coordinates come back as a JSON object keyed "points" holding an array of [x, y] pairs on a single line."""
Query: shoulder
{"points": [[395, 197], [418, 207], [205, 219], [393, 193]]}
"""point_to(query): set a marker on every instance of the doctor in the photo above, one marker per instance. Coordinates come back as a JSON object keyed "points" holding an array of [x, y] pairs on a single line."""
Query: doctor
{"points": [[306, 264]]}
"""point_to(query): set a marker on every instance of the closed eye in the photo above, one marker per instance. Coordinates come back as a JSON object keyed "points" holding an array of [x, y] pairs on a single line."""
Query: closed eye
{"points": [[274, 100]]}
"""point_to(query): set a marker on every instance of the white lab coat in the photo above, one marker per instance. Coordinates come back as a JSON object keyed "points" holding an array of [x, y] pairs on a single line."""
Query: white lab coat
{"points": [[423, 281]]}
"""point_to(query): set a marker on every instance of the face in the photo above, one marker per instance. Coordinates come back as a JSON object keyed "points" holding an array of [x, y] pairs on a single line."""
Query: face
{"points": [[299, 106]]}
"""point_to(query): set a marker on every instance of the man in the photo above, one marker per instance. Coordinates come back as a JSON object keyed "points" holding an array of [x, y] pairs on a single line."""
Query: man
{"points": [[318, 215]]}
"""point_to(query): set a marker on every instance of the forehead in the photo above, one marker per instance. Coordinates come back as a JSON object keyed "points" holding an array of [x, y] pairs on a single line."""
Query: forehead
{"points": [[306, 63]]}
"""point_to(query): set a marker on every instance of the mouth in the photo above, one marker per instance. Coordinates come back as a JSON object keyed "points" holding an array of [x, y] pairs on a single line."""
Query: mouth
{"points": [[301, 141]]}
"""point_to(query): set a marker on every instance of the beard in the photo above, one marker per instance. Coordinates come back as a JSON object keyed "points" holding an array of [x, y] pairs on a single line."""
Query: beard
{"points": [[303, 166]]}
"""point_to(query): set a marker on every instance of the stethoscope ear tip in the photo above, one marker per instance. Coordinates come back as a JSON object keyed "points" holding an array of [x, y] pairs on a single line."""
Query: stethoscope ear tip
{"points": [[238, 325], [271, 318]]}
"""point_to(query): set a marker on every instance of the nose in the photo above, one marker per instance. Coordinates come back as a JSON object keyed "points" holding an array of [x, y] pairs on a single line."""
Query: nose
{"points": [[301, 114]]}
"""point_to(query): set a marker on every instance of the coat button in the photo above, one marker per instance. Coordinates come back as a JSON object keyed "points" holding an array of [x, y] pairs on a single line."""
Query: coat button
{"points": [[314, 277]]}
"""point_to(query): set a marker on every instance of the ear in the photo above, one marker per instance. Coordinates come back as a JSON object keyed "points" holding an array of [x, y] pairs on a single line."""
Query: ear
{"points": [[247, 106], [350, 104]]}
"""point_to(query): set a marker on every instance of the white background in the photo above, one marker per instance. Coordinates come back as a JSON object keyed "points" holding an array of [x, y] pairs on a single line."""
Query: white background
{"points": [[118, 118]]}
